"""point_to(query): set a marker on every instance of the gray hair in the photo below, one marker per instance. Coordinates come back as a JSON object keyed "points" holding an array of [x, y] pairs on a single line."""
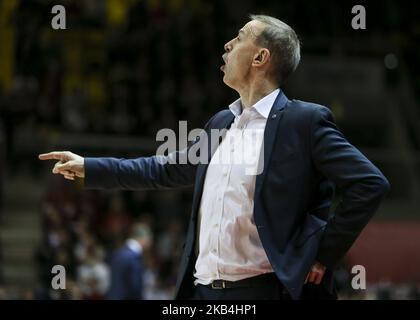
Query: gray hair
{"points": [[282, 42]]}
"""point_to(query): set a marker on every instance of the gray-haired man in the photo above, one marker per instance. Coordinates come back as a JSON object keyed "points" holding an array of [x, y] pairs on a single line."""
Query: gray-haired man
{"points": [[268, 235]]}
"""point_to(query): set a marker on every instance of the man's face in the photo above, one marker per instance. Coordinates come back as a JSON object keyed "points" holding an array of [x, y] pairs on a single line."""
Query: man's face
{"points": [[240, 53]]}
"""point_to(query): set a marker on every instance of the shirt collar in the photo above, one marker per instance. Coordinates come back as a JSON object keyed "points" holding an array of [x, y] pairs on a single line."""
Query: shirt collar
{"points": [[263, 106], [134, 246]]}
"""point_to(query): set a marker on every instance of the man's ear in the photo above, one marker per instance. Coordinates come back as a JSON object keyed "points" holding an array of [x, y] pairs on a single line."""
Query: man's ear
{"points": [[261, 57]]}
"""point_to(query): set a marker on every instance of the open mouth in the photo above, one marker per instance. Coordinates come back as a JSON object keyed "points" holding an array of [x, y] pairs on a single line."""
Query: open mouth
{"points": [[224, 64]]}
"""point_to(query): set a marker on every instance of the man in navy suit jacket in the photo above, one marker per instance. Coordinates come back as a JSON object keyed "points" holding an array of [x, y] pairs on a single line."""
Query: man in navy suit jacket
{"points": [[304, 157], [127, 266]]}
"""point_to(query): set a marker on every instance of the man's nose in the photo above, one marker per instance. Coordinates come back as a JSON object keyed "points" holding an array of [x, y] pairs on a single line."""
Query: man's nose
{"points": [[228, 46]]}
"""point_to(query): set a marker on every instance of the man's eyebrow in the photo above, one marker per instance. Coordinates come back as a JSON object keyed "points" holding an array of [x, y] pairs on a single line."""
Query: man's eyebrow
{"points": [[241, 30]]}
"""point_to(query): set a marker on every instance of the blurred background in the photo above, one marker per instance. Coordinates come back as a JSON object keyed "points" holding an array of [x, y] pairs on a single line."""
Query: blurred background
{"points": [[123, 69]]}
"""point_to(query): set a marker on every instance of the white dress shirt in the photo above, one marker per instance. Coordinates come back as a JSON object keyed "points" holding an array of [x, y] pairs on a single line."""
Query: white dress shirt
{"points": [[228, 244], [134, 246]]}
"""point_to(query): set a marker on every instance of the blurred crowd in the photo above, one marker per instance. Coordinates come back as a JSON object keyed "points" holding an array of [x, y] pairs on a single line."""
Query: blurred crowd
{"points": [[83, 229], [120, 67], [136, 66]]}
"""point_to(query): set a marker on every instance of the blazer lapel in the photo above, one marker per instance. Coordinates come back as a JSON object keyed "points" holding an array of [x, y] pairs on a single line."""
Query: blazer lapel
{"points": [[270, 134]]}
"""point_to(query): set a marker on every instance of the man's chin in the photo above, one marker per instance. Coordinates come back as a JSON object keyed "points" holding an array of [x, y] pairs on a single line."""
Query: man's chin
{"points": [[226, 81]]}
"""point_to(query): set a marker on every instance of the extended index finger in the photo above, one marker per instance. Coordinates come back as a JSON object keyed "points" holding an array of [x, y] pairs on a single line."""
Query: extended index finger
{"points": [[51, 155]]}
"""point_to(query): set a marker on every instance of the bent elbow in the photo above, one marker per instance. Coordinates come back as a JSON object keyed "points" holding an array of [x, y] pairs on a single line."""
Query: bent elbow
{"points": [[386, 185], [382, 186]]}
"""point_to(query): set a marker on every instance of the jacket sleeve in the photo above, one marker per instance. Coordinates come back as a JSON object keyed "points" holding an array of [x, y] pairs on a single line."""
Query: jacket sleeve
{"points": [[136, 278], [155, 172], [362, 186]]}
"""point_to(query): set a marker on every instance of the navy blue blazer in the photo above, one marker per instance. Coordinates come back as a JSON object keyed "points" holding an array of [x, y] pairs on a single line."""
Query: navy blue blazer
{"points": [[305, 158], [127, 271]]}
